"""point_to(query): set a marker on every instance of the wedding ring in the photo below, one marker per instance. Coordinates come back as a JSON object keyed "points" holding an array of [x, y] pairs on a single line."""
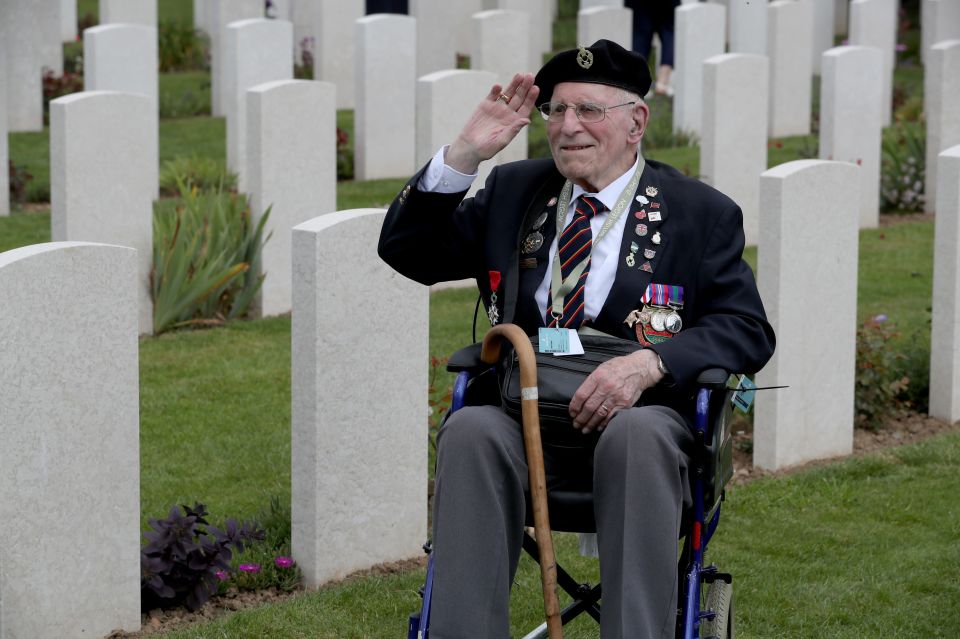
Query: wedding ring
{"points": [[603, 410], [504, 98]]}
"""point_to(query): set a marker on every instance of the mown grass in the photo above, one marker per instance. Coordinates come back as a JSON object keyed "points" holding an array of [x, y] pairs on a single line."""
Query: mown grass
{"points": [[866, 547]]}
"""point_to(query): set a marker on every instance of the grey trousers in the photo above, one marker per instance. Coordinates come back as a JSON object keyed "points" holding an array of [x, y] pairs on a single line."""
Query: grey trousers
{"points": [[638, 471]]}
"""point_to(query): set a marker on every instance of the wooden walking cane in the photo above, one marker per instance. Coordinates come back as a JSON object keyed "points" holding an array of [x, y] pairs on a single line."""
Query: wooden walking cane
{"points": [[490, 354]]}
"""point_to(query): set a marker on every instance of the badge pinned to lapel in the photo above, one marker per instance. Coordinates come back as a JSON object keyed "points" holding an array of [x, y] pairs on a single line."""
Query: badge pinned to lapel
{"points": [[493, 314]]}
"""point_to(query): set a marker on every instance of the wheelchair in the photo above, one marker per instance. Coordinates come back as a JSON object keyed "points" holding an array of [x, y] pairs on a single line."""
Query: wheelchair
{"points": [[705, 605]]}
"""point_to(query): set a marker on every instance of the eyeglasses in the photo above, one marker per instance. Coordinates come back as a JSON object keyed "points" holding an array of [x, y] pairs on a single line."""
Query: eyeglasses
{"points": [[586, 112]]}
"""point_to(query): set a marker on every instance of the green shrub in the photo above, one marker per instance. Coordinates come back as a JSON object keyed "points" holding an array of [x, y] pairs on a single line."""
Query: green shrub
{"points": [[903, 167], [196, 172], [56, 86], [181, 48], [186, 558], [268, 564], [206, 260], [881, 382], [18, 180]]}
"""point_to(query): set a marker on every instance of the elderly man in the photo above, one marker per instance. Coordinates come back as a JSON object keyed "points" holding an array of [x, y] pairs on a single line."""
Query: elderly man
{"points": [[643, 253]]}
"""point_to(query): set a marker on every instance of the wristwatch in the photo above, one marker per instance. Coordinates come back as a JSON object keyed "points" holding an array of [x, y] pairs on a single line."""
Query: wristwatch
{"points": [[662, 367]]}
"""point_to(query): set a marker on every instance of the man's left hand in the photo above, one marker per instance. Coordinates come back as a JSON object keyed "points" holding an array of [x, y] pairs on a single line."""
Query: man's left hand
{"points": [[614, 385]]}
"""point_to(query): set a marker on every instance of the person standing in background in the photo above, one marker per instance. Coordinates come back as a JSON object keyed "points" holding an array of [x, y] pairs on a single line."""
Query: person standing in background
{"points": [[649, 17]]}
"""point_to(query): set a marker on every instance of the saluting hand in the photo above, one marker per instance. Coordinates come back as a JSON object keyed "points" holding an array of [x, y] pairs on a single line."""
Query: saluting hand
{"points": [[494, 123]]}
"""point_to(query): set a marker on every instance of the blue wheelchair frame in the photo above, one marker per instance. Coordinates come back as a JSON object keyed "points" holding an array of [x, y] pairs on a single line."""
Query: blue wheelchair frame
{"points": [[704, 523]]}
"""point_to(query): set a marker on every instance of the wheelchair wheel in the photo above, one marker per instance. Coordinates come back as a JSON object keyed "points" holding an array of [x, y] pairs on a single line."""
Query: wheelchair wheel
{"points": [[719, 601]]}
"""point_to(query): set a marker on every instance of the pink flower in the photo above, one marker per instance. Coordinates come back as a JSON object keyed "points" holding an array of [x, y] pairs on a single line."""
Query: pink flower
{"points": [[251, 568], [901, 47], [283, 562], [222, 575]]}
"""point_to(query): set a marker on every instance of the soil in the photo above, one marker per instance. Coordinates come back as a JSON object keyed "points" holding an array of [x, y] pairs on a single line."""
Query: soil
{"points": [[895, 432]]}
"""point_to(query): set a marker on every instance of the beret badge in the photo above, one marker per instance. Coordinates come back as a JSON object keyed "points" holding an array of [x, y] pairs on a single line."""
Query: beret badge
{"points": [[584, 57]]}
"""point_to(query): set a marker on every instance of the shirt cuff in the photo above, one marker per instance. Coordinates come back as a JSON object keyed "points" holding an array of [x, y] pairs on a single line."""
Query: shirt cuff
{"points": [[440, 178]]}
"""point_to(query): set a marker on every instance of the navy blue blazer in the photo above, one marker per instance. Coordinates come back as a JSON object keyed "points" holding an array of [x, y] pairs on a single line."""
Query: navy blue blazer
{"points": [[431, 237]]}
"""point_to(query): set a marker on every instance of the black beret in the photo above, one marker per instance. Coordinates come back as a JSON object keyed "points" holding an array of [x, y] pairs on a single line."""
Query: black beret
{"points": [[603, 62]]}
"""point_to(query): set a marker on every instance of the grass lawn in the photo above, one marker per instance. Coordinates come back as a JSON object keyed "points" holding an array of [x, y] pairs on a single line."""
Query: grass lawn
{"points": [[841, 551]]}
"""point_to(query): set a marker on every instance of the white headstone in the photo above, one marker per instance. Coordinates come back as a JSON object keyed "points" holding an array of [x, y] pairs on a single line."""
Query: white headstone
{"points": [[103, 167], [359, 447], [334, 52], [945, 331], [439, 29], [501, 44], [129, 12], [748, 27], [501, 40], [4, 151], [823, 26], [291, 168], [220, 14], [303, 25], [731, 122], [68, 20], [256, 51], [841, 15], [281, 10], [201, 15], [121, 57], [942, 105], [813, 418], [850, 129], [789, 37], [69, 423], [592, 4], [386, 84], [939, 21], [873, 23], [700, 34], [609, 22], [445, 100], [30, 33], [542, 13]]}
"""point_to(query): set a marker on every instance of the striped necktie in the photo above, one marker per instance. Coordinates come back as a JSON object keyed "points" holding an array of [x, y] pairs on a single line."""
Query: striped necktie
{"points": [[574, 247]]}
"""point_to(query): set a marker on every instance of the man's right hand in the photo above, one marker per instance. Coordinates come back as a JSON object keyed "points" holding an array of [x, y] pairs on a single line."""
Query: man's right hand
{"points": [[493, 124]]}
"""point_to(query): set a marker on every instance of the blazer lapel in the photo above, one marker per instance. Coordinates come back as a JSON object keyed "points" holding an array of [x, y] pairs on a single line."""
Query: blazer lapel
{"points": [[528, 267], [644, 232]]}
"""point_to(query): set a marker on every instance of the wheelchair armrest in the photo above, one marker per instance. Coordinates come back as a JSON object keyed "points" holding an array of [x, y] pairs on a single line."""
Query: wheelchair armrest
{"points": [[713, 378], [466, 359]]}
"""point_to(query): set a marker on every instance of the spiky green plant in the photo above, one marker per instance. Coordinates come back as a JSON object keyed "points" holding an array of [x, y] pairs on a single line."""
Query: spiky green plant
{"points": [[206, 259]]}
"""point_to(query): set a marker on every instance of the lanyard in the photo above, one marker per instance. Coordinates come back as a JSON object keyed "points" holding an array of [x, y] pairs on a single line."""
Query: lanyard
{"points": [[560, 287]]}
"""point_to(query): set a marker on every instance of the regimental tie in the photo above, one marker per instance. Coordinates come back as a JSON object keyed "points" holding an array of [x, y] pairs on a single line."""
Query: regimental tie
{"points": [[574, 248]]}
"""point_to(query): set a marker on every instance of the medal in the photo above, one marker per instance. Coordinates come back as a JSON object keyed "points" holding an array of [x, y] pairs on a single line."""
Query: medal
{"points": [[642, 200], [552, 202], [646, 267], [631, 261], [541, 220], [659, 321], [640, 215], [493, 314], [632, 318], [532, 242], [654, 216], [673, 323], [655, 205], [641, 229], [645, 316], [656, 238], [649, 253], [652, 191]]}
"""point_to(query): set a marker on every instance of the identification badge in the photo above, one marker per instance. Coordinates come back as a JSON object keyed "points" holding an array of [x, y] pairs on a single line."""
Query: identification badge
{"points": [[743, 398], [559, 341]]}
